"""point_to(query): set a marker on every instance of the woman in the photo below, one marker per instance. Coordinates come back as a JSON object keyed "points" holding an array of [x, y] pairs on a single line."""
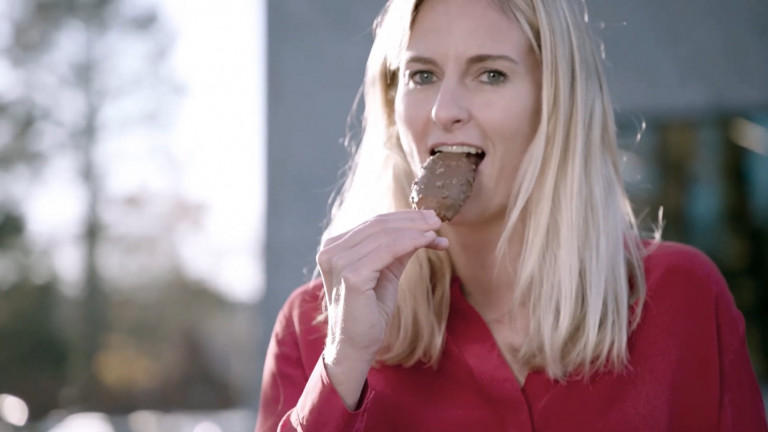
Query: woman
{"points": [[537, 307]]}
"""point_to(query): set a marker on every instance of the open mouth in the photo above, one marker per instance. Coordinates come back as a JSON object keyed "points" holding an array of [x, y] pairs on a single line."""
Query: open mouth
{"points": [[469, 151]]}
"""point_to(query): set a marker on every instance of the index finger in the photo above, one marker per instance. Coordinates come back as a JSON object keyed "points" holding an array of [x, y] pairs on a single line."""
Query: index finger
{"points": [[426, 220]]}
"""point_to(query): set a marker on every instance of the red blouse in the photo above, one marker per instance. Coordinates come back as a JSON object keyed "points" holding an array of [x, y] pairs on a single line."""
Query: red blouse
{"points": [[690, 371]]}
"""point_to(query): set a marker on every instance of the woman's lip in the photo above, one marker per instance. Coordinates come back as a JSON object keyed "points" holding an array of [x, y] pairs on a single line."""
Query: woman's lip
{"points": [[433, 147]]}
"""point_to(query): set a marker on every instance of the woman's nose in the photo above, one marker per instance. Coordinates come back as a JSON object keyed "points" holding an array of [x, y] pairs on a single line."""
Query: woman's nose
{"points": [[450, 109]]}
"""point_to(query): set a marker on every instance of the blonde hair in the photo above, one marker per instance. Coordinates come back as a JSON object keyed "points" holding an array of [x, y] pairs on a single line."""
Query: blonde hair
{"points": [[580, 272]]}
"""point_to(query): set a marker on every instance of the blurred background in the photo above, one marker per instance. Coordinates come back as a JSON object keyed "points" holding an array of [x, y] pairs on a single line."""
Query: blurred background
{"points": [[165, 168]]}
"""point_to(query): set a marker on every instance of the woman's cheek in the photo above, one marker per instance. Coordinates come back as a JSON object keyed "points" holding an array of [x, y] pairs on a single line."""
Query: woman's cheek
{"points": [[410, 130]]}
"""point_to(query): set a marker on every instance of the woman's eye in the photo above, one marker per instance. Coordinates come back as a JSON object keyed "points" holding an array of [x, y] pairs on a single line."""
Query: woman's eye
{"points": [[493, 76], [422, 77]]}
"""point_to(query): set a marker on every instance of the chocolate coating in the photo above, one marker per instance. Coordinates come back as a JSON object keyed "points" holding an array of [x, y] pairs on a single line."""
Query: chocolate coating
{"points": [[444, 184]]}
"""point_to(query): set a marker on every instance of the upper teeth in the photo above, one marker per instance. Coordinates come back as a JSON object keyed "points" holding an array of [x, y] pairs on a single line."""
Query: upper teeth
{"points": [[457, 149]]}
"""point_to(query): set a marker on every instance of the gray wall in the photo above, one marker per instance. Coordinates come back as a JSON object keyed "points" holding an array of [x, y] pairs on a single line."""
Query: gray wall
{"points": [[685, 56], [316, 59], [317, 52], [678, 57]]}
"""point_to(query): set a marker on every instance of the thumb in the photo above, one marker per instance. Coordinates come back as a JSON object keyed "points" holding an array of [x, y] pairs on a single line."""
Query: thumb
{"points": [[386, 292]]}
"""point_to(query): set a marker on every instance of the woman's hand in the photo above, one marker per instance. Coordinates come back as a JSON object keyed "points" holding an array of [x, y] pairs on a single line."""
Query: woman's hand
{"points": [[360, 270]]}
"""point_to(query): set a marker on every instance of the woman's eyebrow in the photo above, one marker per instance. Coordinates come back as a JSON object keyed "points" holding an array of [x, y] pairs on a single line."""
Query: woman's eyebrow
{"points": [[479, 58], [420, 59], [482, 58]]}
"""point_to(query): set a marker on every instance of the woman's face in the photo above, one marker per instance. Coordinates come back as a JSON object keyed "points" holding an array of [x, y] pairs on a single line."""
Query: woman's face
{"points": [[469, 76]]}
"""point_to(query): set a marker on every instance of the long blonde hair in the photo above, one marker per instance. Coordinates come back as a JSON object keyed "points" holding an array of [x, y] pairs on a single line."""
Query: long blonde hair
{"points": [[580, 272]]}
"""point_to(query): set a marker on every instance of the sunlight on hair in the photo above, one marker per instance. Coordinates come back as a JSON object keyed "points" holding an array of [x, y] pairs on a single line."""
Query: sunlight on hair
{"points": [[13, 410], [659, 227], [85, 422], [602, 50], [640, 131], [602, 24], [207, 426], [586, 11], [632, 167]]}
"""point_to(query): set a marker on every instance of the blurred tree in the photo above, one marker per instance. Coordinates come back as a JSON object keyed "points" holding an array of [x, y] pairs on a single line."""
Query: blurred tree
{"points": [[173, 342], [33, 358], [81, 71]]}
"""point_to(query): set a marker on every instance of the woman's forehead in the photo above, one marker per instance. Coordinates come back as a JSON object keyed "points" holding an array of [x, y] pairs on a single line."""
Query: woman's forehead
{"points": [[465, 26]]}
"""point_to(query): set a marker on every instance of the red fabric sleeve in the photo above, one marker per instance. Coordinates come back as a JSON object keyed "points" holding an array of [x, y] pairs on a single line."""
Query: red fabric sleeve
{"points": [[320, 408], [741, 403], [291, 400]]}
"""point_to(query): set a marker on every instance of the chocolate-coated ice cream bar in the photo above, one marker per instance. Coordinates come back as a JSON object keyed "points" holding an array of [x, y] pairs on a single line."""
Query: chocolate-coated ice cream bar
{"points": [[445, 183]]}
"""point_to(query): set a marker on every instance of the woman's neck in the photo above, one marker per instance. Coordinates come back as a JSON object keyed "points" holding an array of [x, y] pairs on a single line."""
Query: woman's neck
{"points": [[473, 254]]}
